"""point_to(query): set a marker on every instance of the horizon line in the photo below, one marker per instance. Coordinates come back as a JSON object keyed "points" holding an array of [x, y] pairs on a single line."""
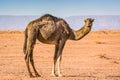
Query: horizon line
{"points": [[63, 16]]}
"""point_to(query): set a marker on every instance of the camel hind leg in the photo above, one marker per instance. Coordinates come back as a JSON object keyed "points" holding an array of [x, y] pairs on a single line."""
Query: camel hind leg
{"points": [[32, 34], [32, 63], [27, 57]]}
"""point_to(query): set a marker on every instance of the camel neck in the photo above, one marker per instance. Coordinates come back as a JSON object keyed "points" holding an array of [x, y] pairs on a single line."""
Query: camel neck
{"points": [[78, 34]]}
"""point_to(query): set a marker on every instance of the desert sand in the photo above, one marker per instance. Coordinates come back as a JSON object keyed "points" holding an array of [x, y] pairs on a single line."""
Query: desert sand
{"points": [[95, 57]]}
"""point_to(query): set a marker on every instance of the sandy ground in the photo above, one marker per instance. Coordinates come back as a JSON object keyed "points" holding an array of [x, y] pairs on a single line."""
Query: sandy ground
{"points": [[95, 57]]}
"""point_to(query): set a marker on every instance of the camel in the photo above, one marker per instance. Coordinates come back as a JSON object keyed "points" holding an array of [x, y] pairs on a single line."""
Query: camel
{"points": [[49, 29]]}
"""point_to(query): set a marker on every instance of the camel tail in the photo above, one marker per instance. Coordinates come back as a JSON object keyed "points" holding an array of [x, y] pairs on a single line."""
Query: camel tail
{"points": [[25, 41]]}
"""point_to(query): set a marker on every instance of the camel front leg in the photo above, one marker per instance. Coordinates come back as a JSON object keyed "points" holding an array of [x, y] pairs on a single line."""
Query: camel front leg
{"points": [[55, 60], [59, 69], [61, 46], [53, 68]]}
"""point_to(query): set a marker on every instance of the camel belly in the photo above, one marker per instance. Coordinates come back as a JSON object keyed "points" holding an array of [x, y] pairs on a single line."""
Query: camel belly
{"points": [[47, 41], [51, 40]]}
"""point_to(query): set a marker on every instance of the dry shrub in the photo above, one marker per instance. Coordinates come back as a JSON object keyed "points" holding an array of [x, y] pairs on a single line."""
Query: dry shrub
{"points": [[98, 42], [103, 56], [116, 62]]}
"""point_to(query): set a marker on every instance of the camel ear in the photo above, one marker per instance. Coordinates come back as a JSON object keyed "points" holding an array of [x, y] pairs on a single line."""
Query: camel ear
{"points": [[92, 20], [85, 20]]}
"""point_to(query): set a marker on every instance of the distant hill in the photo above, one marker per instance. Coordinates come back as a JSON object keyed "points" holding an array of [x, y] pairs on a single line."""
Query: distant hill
{"points": [[15, 22], [75, 22], [101, 22]]}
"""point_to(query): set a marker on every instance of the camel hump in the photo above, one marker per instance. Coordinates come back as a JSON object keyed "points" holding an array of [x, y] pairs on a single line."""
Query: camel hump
{"points": [[47, 30], [48, 26]]}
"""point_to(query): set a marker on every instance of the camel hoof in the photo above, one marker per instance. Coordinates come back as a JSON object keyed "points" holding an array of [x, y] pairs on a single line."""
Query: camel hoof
{"points": [[54, 75], [31, 76], [60, 75], [37, 75]]}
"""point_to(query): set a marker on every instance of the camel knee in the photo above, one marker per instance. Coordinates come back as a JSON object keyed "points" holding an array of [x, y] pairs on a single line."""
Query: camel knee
{"points": [[54, 58], [31, 59], [25, 57]]}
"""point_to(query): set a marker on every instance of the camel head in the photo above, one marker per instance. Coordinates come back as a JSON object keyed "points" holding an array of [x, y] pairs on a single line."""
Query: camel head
{"points": [[89, 22]]}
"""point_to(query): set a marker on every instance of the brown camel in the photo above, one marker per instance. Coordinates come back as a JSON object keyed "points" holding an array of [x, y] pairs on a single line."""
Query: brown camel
{"points": [[49, 29]]}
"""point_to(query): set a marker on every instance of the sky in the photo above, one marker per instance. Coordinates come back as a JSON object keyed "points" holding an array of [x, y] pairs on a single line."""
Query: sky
{"points": [[62, 8]]}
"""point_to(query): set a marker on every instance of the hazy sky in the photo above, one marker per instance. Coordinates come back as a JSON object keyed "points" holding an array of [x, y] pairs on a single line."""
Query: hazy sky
{"points": [[63, 8]]}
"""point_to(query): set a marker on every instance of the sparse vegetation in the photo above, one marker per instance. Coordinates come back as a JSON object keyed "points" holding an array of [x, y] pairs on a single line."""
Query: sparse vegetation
{"points": [[103, 56], [98, 42]]}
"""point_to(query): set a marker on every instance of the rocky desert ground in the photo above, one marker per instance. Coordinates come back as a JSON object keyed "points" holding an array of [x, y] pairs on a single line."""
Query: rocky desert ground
{"points": [[95, 57]]}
